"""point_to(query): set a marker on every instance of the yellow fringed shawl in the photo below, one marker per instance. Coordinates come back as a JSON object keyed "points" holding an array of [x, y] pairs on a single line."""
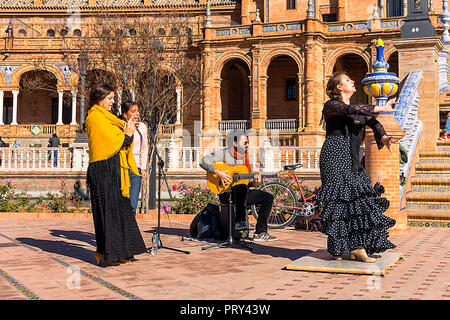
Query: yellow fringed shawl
{"points": [[105, 138]]}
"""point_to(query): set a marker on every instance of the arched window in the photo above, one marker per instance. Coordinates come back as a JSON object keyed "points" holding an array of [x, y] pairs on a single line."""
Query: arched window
{"points": [[77, 33], [50, 33], [132, 32], [64, 32], [174, 32], [161, 32], [22, 33]]}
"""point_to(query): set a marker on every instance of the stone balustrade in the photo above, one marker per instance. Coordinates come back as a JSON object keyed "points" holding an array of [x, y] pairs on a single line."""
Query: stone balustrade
{"points": [[177, 159]]}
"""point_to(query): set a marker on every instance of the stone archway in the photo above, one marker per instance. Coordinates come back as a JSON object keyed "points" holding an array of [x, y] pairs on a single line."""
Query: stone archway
{"points": [[17, 74], [282, 88], [357, 68], [38, 98], [235, 90]]}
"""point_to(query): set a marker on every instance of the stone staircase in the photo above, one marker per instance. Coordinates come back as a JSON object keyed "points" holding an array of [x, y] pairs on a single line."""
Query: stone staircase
{"points": [[428, 201]]}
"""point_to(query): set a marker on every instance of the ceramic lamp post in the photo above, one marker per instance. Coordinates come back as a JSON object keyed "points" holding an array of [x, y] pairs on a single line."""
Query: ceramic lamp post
{"points": [[380, 84], [382, 165]]}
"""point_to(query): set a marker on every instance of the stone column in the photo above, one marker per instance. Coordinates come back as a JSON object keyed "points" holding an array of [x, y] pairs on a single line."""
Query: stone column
{"points": [[1, 108], [119, 101], [314, 86], [60, 106], [313, 83], [179, 97], [14, 115], [301, 108], [74, 108], [422, 54], [383, 166], [245, 8], [258, 94], [263, 100], [173, 154]]}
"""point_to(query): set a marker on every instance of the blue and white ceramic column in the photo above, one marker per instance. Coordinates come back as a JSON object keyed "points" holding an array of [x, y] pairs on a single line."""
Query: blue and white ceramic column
{"points": [[383, 166]]}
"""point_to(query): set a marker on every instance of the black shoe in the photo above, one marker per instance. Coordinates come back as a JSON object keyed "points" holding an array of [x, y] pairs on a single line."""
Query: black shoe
{"points": [[241, 225]]}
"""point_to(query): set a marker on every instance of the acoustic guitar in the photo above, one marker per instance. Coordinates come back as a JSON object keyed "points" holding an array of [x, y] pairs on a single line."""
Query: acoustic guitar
{"points": [[239, 175]]}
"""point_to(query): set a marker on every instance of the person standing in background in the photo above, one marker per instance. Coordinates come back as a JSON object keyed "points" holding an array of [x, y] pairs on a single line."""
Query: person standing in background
{"points": [[140, 151], [54, 142]]}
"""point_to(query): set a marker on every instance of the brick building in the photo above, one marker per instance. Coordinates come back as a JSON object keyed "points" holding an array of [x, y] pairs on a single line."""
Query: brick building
{"points": [[269, 61]]}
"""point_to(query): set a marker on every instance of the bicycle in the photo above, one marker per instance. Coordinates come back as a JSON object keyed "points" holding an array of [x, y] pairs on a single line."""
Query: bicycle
{"points": [[285, 208]]}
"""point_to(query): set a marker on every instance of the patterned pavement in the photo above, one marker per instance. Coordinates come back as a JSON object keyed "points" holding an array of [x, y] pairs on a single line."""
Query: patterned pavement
{"points": [[54, 260]]}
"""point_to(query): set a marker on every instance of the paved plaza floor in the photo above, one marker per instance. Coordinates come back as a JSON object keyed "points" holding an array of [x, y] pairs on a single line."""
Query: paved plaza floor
{"points": [[54, 260]]}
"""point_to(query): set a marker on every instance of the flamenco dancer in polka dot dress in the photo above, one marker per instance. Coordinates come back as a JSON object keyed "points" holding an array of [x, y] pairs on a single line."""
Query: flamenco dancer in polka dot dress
{"points": [[352, 215]]}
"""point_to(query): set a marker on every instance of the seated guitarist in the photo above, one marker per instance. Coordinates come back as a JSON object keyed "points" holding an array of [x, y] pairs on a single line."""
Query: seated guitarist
{"points": [[235, 154]]}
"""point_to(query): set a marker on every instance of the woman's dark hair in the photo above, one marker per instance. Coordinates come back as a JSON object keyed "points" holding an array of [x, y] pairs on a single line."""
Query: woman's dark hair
{"points": [[98, 92], [335, 80], [126, 106]]}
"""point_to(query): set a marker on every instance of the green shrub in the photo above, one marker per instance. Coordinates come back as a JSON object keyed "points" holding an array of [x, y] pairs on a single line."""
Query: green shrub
{"points": [[64, 201], [11, 200], [189, 200]]}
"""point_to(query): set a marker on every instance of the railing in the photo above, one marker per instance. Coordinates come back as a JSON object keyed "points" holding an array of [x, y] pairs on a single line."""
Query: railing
{"points": [[179, 159], [234, 125], [282, 124], [265, 158], [167, 129], [443, 71], [42, 159], [407, 119]]}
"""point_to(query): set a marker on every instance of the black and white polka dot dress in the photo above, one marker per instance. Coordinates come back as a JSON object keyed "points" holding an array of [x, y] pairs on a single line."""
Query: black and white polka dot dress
{"points": [[352, 213]]}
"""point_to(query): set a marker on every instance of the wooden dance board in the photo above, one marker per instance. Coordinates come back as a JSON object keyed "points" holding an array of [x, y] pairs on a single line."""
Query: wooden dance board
{"points": [[322, 261]]}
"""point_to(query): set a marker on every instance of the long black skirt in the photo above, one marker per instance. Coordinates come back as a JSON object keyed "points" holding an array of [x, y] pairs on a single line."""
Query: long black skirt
{"points": [[116, 231], [352, 213]]}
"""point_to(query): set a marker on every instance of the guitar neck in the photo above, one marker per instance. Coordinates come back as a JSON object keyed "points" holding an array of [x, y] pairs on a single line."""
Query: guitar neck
{"points": [[245, 176]]}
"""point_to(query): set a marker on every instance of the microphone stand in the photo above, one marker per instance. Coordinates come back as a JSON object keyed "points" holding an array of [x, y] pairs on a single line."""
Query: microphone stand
{"points": [[160, 164]]}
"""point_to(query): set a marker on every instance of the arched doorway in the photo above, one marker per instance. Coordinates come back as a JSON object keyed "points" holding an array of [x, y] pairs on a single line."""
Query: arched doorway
{"points": [[235, 91], [38, 99], [356, 67], [282, 90]]}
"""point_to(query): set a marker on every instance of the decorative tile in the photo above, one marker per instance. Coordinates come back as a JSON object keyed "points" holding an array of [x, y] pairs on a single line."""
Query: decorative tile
{"points": [[19, 286]]}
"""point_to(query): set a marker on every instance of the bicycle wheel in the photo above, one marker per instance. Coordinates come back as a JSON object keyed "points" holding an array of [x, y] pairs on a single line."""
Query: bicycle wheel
{"points": [[280, 216]]}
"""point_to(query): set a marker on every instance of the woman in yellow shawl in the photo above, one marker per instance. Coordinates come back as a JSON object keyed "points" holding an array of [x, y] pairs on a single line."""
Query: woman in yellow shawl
{"points": [[110, 156]]}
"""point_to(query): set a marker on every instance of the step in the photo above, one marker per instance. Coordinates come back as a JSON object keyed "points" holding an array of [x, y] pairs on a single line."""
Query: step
{"points": [[439, 201], [430, 185], [428, 218], [433, 170], [443, 145], [430, 214], [439, 167], [434, 157], [428, 196]]}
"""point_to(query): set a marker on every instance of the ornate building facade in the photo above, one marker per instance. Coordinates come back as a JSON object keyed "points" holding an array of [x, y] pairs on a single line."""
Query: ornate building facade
{"points": [[269, 62]]}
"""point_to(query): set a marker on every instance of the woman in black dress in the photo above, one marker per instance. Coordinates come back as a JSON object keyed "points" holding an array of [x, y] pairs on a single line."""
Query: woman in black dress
{"points": [[110, 141], [352, 215]]}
